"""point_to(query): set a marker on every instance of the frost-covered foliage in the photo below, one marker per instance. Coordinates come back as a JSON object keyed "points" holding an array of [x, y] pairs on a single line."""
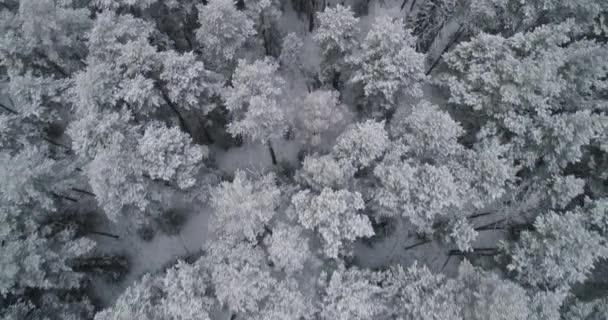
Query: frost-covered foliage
{"points": [[387, 65], [416, 293], [42, 34], [168, 154], [116, 177], [286, 301], [291, 53], [535, 88], [381, 174], [318, 116], [352, 294], [319, 172], [562, 249], [337, 37], [361, 143], [30, 178], [241, 275], [254, 100], [430, 18], [27, 261], [188, 83], [427, 175], [485, 296], [335, 216], [180, 293], [244, 206], [421, 193], [224, 29], [288, 247]]}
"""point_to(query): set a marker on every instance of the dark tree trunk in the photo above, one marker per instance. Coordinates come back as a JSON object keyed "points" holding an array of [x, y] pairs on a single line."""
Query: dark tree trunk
{"points": [[447, 47], [272, 154]]}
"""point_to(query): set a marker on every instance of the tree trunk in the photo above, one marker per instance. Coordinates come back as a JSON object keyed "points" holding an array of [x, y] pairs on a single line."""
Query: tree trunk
{"points": [[272, 154], [182, 121], [447, 47], [105, 234]]}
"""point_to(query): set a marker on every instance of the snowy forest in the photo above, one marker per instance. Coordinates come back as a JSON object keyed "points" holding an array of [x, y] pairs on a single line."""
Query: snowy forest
{"points": [[304, 159]]}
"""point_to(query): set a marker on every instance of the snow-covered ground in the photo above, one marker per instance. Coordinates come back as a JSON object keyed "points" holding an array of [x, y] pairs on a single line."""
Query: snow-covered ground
{"points": [[148, 256]]}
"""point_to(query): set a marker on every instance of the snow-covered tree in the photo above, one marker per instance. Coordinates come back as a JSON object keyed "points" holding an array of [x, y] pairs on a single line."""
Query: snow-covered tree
{"points": [[169, 154], [291, 53], [37, 257], [43, 35], [244, 206], [224, 29], [561, 250], [387, 65], [116, 178], [427, 131], [180, 293], [335, 216], [362, 143], [319, 172], [288, 247], [336, 35], [421, 193], [417, 294], [317, 116], [483, 295], [353, 294], [189, 84], [241, 276], [428, 175], [526, 88], [254, 100], [429, 19], [287, 300], [32, 179]]}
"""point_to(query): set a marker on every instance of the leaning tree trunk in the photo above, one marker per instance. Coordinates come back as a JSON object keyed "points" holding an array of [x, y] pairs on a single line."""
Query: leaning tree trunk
{"points": [[272, 154]]}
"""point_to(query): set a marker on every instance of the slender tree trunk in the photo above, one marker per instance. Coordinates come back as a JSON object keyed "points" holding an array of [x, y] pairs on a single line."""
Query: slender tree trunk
{"points": [[8, 109], [272, 154], [491, 226], [60, 196], [417, 244], [447, 47], [182, 121], [89, 193], [105, 234]]}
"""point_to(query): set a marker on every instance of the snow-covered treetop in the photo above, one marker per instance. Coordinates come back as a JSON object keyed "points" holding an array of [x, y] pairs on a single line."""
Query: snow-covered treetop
{"points": [[255, 101], [224, 29], [244, 206], [335, 215], [387, 65]]}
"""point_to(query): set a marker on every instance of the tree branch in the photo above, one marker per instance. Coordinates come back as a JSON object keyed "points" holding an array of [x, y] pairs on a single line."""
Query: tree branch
{"points": [[83, 191], [105, 234], [447, 47], [8, 109], [417, 244], [476, 251]]}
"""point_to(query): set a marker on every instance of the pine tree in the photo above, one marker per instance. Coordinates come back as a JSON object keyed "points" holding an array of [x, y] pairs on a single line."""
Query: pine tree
{"points": [[561, 250], [337, 37], [352, 294], [254, 100], [244, 206], [335, 216], [318, 117], [224, 29], [387, 65]]}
